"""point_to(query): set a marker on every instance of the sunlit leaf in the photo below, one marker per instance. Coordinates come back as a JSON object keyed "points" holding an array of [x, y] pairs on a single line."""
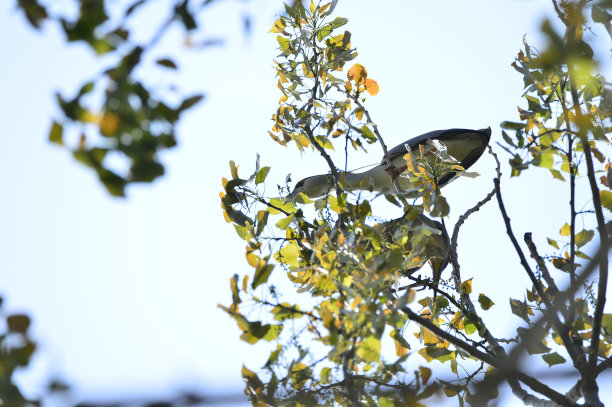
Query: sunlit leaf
{"points": [[371, 86], [369, 349], [606, 199], [262, 174], [565, 230], [289, 255], [466, 286], [584, 237]]}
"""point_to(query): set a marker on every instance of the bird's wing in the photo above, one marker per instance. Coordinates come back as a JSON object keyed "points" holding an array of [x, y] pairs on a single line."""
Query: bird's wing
{"points": [[461, 149], [400, 150]]}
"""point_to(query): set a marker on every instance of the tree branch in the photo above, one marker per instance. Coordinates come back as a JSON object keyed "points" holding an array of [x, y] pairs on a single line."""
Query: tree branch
{"points": [[552, 311], [511, 372], [495, 378]]}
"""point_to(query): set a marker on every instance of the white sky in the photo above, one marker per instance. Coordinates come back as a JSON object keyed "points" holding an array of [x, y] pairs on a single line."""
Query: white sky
{"points": [[124, 292]]}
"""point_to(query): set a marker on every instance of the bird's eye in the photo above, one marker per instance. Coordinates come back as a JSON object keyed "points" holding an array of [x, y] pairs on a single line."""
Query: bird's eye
{"points": [[300, 184]]}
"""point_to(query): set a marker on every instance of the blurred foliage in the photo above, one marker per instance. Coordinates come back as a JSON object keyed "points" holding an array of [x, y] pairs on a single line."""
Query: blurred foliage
{"points": [[121, 120], [16, 349], [334, 285]]}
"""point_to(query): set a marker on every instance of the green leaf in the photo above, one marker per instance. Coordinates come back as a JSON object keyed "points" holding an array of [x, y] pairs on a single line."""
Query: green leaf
{"points": [[485, 302], [262, 221], [606, 323], [339, 22], [369, 349], [285, 206], [167, 63], [584, 237], [243, 232], [520, 309], [284, 223], [469, 328], [189, 102], [284, 44], [553, 359], [34, 12], [512, 126], [385, 402], [544, 159], [262, 273], [606, 199], [367, 134], [261, 175], [553, 243], [507, 138], [324, 31], [56, 133], [557, 174]]}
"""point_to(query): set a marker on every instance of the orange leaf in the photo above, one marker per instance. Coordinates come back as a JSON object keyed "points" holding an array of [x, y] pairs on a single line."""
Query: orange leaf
{"points": [[371, 86], [425, 374], [357, 73]]}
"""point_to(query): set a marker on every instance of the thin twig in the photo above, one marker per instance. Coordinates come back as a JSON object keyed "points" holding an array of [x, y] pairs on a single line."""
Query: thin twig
{"points": [[541, 264]]}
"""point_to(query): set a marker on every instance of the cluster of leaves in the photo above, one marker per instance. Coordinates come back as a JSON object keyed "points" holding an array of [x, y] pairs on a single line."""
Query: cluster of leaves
{"points": [[16, 349], [343, 267], [121, 121], [352, 280], [565, 128]]}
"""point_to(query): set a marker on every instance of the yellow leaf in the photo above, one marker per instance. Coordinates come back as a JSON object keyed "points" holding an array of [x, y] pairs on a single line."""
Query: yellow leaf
{"points": [[313, 7], [359, 113], [369, 349], [429, 338], [400, 350], [466, 286], [279, 26], [324, 7], [289, 255], [565, 230], [253, 259], [109, 123]]}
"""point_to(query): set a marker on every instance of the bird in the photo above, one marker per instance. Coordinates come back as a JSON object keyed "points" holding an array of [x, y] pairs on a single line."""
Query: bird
{"points": [[465, 145], [427, 241]]}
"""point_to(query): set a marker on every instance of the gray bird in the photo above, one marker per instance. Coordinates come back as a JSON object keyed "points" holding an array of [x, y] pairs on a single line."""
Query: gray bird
{"points": [[465, 145], [426, 240]]}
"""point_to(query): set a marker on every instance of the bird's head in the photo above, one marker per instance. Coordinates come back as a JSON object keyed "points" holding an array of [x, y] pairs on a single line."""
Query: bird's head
{"points": [[313, 187]]}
